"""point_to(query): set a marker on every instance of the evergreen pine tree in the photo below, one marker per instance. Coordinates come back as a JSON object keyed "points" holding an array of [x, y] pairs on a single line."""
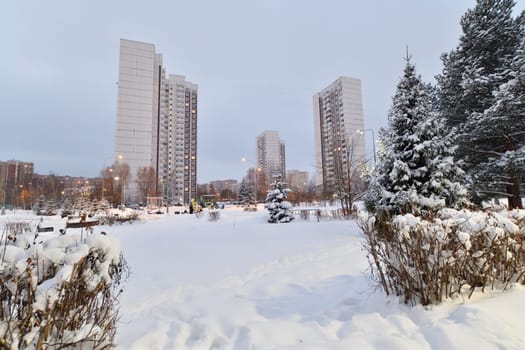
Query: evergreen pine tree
{"points": [[40, 205], [50, 207], [93, 207], [472, 73], [82, 206], [278, 207], [68, 208], [245, 195], [416, 171], [104, 205], [499, 135]]}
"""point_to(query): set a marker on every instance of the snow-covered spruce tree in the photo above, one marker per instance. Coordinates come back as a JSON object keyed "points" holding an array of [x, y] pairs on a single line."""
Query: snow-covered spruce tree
{"points": [[498, 137], [473, 76], [40, 205], [415, 172], [50, 207], [104, 205], [67, 209], [278, 207], [245, 195], [82, 206]]}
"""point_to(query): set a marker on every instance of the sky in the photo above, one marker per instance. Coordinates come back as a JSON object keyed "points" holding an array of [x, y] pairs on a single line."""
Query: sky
{"points": [[257, 64]]}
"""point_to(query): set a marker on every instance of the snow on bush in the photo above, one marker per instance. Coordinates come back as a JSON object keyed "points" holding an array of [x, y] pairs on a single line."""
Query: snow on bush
{"points": [[425, 260], [59, 292]]}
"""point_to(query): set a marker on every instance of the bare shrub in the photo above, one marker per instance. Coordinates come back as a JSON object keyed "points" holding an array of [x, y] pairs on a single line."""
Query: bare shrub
{"points": [[62, 293], [214, 215], [304, 214], [17, 227], [425, 260], [110, 220]]}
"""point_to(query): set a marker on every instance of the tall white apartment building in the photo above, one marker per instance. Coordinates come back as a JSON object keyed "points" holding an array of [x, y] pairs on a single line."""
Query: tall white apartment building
{"points": [[156, 123], [270, 157], [338, 124], [179, 165]]}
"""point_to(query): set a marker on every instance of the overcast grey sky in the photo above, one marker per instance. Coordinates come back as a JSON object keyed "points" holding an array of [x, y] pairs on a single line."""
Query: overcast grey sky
{"points": [[257, 64]]}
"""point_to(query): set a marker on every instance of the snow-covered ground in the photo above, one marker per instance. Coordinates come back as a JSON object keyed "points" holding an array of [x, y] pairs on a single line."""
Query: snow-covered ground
{"points": [[241, 283]]}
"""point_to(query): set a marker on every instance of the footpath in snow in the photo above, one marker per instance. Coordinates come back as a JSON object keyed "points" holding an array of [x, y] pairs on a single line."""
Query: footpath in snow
{"points": [[241, 283]]}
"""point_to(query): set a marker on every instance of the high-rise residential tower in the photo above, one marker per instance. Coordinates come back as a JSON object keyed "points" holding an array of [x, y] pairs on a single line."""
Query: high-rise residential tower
{"points": [[156, 123], [338, 124], [270, 158], [179, 160]]}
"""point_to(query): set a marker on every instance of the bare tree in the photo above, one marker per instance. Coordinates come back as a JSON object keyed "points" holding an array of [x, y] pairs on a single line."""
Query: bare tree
{"points": [[121, 169], [107, 186], [347, 183], [227, 194], [146, 182]]}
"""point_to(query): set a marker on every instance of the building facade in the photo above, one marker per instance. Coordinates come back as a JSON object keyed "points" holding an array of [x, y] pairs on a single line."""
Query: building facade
{"points": [[339, 137], [270, 157], [297, 180], [156, 123], [179, 139], [140, 68], [220, 185], [15, 182]]}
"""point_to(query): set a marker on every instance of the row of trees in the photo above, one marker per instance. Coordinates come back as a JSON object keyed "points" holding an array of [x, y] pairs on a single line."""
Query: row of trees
{"points": [[245, 193], [481, 97], [110, 185], [52, 187], [447, 147], [470, 128], [116, 177], [460, 139]]}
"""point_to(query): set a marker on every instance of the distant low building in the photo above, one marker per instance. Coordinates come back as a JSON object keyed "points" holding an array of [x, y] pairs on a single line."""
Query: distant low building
{"points": [[224, 189], [220, 185], [297, 180]]}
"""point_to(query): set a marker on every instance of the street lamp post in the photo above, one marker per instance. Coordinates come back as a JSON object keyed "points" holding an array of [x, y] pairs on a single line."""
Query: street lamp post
{"points": [[257, 170], [120, 157], [5, 191], [110, 170], [123, 200], [361, 132], [21, 200], [116, 178]]}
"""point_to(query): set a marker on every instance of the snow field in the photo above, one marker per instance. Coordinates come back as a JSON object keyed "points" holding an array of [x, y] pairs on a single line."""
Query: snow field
{"points": [[241, 283]]}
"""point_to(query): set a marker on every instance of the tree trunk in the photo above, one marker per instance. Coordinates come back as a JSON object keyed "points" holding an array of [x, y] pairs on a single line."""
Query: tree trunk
{"points": [[513, 192]]}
